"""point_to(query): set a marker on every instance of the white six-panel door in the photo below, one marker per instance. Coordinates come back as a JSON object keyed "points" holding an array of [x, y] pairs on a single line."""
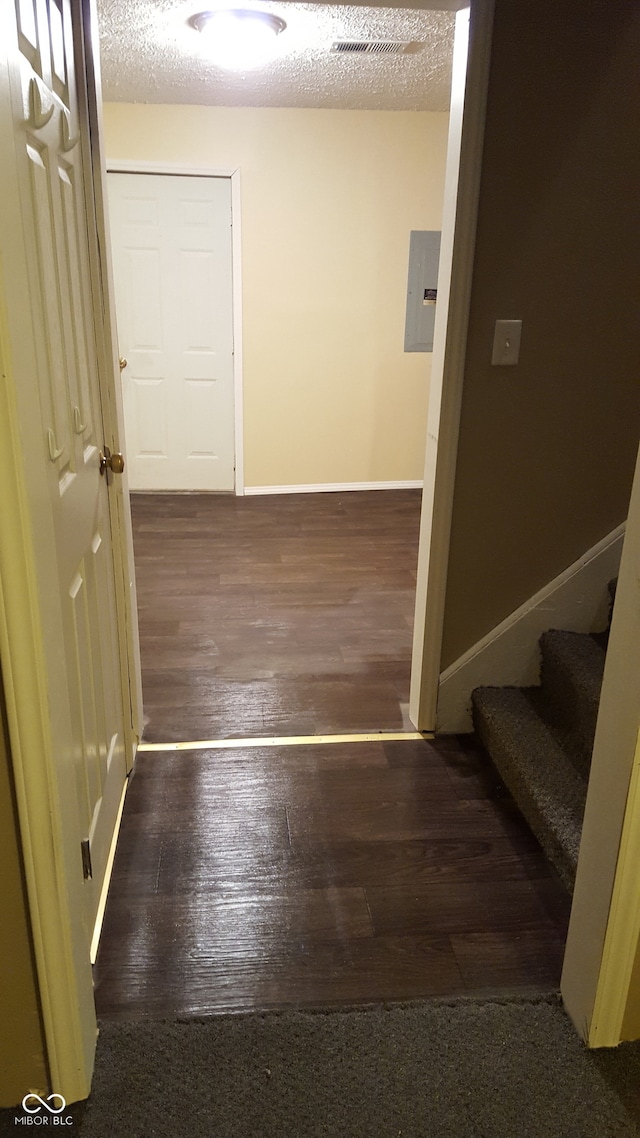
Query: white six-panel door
{"points": [[172, 258], [58, 348]]}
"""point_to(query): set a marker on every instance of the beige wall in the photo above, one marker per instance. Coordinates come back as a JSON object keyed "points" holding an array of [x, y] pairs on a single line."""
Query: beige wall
{"points": [[328, 202], [22, 1058], [547, 448]]}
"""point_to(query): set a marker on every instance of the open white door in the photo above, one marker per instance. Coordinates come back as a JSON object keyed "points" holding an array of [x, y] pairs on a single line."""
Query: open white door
{"points": [[62, 336], [70, 716]]}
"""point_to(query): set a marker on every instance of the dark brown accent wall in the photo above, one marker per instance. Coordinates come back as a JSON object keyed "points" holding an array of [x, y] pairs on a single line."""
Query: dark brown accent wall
{"points": [[547, 448], [22, 1052]]}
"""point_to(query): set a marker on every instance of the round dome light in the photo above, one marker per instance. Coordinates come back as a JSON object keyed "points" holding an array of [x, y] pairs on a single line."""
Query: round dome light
{"points": [[238, 38]]}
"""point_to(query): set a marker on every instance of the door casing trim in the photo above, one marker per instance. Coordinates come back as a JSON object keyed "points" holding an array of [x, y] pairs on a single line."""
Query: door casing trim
{"points": [[112, 405], [470, 82], [132, 166]]}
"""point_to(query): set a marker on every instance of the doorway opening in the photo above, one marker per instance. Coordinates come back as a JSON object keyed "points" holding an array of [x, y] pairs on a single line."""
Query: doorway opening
{"points": [[289, 614], [337, 365], [331, 401]]}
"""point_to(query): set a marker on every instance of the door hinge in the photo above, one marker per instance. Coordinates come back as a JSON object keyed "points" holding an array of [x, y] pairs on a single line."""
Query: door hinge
{"points": [[87, 870]]}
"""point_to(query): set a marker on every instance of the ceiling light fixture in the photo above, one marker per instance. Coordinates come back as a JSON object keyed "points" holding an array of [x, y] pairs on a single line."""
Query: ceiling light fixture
{"points": [[238, 38]]}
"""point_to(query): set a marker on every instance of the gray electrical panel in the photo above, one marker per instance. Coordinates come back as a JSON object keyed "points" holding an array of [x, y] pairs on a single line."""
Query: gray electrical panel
{"points": [[424, 255]]}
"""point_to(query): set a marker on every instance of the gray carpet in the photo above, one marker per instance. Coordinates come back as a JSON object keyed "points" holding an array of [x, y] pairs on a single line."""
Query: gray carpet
{"points": [[539, 774], [467, 1068], [541, 739]]}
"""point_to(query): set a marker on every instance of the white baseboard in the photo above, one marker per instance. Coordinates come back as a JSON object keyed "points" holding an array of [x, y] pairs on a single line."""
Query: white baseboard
{"points": [[576, 601], [334, 487]]}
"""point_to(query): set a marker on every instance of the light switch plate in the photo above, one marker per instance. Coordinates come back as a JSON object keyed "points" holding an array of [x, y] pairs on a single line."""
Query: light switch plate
{"points": [[506, 342]]}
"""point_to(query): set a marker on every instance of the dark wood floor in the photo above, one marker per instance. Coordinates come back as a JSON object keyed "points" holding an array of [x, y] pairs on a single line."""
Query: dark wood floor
{"points": [[280, 615], [323, 875], [305, 875]]}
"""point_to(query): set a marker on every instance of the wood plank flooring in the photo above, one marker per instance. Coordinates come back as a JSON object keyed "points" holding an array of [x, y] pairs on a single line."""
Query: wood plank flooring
{"points": [[280, 615], [323, 875], [305, 875]]}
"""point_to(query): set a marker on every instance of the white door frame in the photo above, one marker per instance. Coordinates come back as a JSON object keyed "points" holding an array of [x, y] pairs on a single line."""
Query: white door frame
{"points": [[87, 47], [131, 166], [469, 86], [604, 930]]}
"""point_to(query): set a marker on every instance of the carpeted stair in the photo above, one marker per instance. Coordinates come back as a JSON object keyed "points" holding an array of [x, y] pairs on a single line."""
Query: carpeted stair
{"points": [[541, 739]]}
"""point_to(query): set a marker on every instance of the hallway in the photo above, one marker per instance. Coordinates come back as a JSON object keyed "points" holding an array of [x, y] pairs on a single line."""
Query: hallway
{"points": [[251, 877]]}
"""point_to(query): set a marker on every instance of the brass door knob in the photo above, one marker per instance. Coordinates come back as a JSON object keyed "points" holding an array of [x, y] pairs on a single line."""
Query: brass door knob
{"points": [[123, 363], [114, 462]]}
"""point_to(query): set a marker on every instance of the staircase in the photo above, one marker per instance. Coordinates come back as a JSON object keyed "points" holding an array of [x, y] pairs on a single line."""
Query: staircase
{"points": [[541, 739]]}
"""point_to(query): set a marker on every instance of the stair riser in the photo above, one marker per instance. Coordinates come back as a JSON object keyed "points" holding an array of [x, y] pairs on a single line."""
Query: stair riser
{"points": [[571, 711], [572, 667]]}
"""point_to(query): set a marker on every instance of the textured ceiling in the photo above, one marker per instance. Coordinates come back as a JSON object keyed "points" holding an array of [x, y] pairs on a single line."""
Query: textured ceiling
{"points": [[151, 55]]}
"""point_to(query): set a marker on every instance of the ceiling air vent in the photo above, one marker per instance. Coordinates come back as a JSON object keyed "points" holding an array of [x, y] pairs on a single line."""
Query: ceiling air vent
{"points": [[372, 47]]}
